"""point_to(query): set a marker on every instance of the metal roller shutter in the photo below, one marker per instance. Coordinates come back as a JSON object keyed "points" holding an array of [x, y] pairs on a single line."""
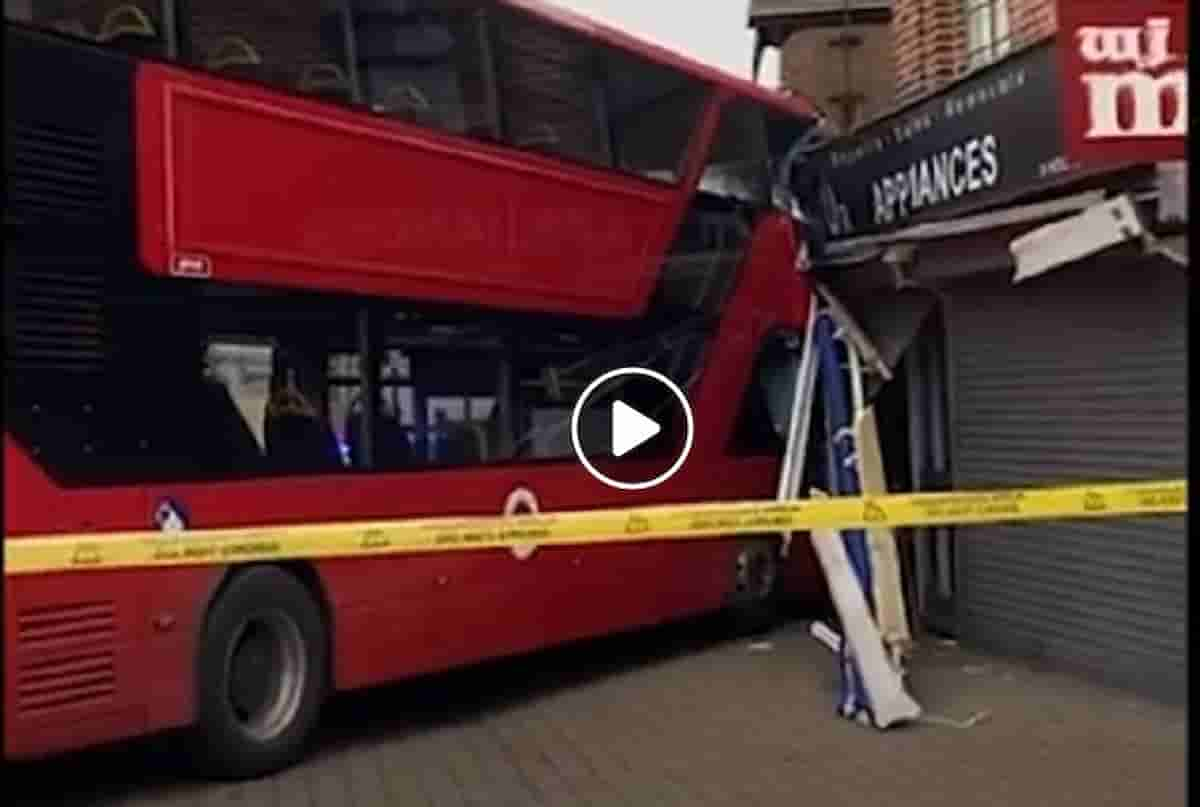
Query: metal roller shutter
{"points": [[1076, 376]]}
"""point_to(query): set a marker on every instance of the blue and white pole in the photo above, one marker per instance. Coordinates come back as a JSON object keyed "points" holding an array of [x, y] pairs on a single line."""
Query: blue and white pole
{"points": [[844, 482]]}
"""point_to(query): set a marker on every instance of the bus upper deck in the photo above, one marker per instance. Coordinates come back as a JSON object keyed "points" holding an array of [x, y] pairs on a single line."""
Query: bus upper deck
{"points": [[458, 150]]}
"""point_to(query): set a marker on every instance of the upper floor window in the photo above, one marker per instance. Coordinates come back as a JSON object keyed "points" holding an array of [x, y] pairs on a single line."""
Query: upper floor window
{"points": [[469, 67], [738, 163], [137, 26], [653, 114], [988, 34], [426, 64], [555, 365], [296, 44], [550, 88]]}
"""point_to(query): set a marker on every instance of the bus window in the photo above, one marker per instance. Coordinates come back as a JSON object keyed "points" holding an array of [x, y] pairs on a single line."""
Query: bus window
{"points": [[298, 45], [299, 436], [441, 402], [555, 366], [762, 427], [551, 95], [739, 163], [653, 112], [245, 370], [133, 26], [345, 391], [701, 268], [425, 64]]}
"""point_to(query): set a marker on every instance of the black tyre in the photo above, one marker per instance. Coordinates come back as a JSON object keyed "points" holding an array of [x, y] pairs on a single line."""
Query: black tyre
{"points": [[262, 675], [755, 600]]}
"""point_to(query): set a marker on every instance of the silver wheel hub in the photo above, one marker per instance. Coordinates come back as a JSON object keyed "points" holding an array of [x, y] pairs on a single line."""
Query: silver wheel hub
{"points": [[266, 670]]}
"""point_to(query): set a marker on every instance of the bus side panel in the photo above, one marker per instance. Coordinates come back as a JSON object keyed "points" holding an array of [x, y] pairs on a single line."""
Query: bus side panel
{"points": [[275, 189], [414, 614], [73, 660], [99, 656], [444, 611]]}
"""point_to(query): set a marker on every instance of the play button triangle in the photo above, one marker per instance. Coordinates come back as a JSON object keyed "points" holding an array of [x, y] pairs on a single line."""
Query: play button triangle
{"points": [[630, 428]]}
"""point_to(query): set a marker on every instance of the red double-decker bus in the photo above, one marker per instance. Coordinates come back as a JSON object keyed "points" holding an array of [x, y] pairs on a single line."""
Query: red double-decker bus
{"points": [[340, 260]]}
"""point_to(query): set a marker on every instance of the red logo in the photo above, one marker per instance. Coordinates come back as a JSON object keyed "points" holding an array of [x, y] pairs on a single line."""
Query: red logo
{"points": [[1125, 79]]}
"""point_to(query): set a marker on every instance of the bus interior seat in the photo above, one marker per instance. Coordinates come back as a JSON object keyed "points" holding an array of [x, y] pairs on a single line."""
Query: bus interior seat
{"points": [[130, 28], [299, 443], [392, 443], [407, 102], [325, 80], [235, 56], [297, 437]]}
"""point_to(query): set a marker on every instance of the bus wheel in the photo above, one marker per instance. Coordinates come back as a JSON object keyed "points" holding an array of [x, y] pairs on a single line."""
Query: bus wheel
{"points": [[262, 675], [755, 579]]}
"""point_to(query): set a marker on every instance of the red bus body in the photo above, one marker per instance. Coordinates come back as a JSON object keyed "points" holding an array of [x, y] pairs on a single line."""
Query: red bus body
{"points": [[100, 656]]}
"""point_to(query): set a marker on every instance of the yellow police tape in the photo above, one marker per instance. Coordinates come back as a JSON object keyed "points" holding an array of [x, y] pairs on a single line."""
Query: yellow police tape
{"points": [[57, 553]]}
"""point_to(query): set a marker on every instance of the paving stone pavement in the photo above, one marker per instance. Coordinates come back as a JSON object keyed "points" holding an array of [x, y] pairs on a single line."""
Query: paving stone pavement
{"points": [[682, 715]]}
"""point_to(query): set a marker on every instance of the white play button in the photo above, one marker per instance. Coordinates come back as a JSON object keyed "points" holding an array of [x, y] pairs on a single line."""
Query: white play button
{"points": [[630, 428], [618, 443]]}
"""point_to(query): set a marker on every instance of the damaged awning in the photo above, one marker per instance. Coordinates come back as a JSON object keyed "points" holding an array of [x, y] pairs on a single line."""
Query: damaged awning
{"points": [[885, 286]]}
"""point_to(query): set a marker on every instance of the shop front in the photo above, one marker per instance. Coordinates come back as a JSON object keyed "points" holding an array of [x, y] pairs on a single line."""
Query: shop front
{"points": [[1017, 245]]}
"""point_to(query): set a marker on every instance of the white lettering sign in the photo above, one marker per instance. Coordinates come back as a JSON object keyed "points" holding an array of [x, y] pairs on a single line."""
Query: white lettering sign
{"points": [[1139, 50], [966, 168], [1123, 44]]}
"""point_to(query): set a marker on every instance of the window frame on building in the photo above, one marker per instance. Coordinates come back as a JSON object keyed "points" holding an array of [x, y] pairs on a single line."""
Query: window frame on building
{"points": [[989, 34]]}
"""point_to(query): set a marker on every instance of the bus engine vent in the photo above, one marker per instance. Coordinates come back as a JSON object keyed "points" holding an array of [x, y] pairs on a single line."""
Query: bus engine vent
{"points": [[67, 656], [55, 313], [54, 174]]}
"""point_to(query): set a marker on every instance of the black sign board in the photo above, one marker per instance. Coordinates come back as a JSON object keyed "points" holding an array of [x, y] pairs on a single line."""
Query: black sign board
{"points": [[974, 143]]}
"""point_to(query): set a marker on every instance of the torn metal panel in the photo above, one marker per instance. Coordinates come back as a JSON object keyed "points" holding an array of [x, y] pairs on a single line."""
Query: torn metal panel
{"points": [[1173, 249], [884, 324], [855, 334], [1096, 229], [892, 323]]}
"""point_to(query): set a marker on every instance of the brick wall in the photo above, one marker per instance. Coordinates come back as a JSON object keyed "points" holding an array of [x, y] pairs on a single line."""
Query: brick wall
{"points": [[1031, 20], [929, 38], [928, 44], [923, 48], [817, 62]]}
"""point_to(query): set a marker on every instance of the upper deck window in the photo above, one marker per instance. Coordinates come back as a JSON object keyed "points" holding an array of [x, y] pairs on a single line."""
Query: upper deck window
{"points": [[739, 162], [551, 90], [299, 45], [470, 67], [134, 26], [653, 113], [426, 63]]}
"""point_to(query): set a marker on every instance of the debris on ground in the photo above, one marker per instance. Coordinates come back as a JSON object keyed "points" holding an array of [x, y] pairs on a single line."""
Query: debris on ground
{"points": [[971, 722]]}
